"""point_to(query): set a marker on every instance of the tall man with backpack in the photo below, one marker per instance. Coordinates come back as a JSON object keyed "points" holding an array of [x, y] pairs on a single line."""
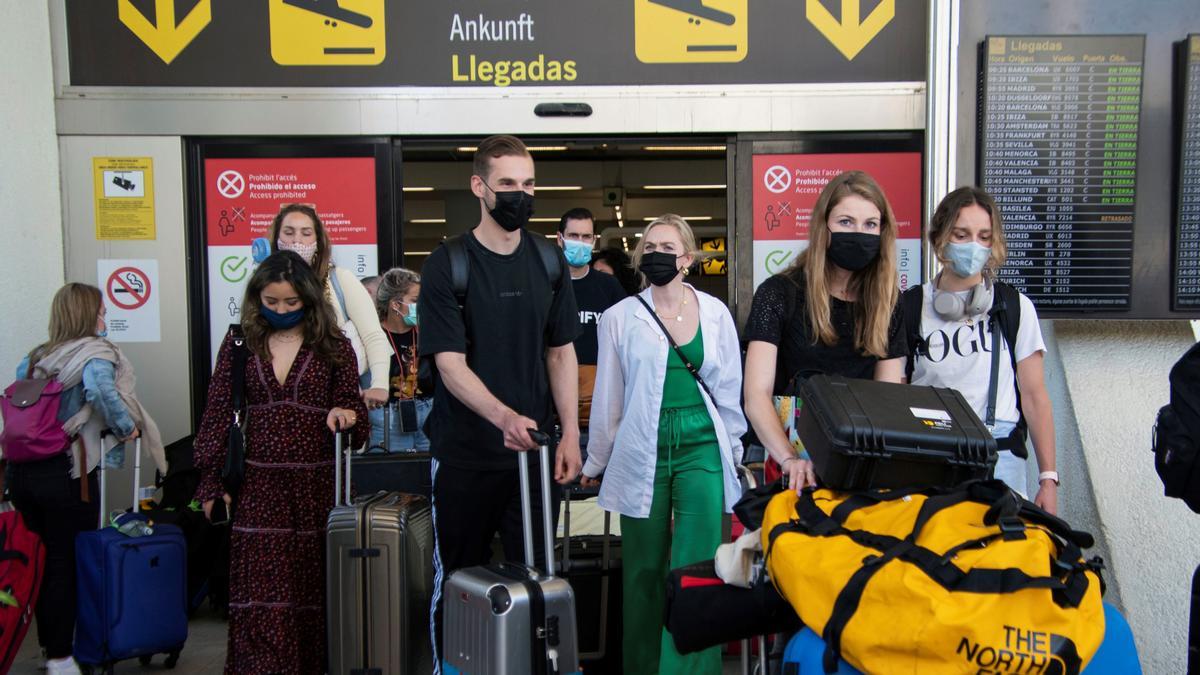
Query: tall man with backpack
{"points": [[970, 332], [498, 319]]}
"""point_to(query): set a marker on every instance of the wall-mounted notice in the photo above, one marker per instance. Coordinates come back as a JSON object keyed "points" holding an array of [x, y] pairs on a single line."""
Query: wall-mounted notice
{"points": [[786, 188], [131, 293], [1186, 284], [1058, 135], [124, 197], [241, 198]]}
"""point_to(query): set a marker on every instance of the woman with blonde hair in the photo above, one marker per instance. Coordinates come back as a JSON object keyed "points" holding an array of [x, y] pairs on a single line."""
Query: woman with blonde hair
{"points": [[299, 229], [59, 496], [833, 311], [665, 431]]}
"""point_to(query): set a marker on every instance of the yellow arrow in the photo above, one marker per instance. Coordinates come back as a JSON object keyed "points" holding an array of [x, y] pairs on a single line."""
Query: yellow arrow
{"points": [[166, 39], [851, 34]]}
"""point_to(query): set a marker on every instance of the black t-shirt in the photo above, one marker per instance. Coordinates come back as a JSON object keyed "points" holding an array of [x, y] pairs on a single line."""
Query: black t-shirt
{"points": [[511, 315], [403, 370], [594, 293], [779, 315]]}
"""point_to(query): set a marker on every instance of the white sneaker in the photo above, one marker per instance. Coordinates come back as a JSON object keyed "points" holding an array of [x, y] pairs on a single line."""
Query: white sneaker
{"points": [[66, 666]]}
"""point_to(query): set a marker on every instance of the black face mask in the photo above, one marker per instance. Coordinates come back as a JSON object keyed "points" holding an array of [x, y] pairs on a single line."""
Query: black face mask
{"points": [[659, 268], [512, 210], [852, 251]]}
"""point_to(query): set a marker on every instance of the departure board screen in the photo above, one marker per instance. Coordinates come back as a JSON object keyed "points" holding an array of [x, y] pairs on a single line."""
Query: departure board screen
{"points": [[1187, 218], [1058, 137]]}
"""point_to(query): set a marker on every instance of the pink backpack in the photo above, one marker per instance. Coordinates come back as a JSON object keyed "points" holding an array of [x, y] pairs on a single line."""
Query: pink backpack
{"points": [[31, 427]]}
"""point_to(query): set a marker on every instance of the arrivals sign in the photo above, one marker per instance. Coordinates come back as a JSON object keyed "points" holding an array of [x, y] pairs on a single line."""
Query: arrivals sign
{"points": [[241, 198], [786, 188], [492, 43]]}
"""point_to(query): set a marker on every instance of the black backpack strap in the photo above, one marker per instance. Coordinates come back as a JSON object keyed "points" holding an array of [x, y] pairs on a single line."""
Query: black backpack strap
{"points": [[552, 261], [1006, 309], [460, 268], [911, 302]]}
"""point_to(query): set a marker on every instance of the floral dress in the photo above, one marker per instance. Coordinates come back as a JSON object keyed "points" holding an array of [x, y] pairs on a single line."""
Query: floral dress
{"points": [[277, 554]]}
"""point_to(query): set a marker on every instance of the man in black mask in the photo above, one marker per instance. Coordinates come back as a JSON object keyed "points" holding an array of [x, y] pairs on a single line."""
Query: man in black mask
{"points": [[503, 353]]}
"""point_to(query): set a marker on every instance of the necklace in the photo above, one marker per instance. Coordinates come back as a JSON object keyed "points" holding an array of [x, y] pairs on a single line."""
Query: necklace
{"points": [[287, 337], [678, 315]]}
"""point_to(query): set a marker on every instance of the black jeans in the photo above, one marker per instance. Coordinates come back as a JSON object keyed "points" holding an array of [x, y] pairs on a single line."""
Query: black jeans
{"points": [[48, 499]]}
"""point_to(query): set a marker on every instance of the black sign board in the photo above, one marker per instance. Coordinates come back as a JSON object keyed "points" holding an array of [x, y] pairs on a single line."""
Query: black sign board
{"points": [[1059, 119], [1186, 277], [491, 43]]}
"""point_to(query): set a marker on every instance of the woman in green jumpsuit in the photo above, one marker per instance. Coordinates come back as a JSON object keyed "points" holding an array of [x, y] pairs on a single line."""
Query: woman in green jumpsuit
{"points": [[666, 444]]}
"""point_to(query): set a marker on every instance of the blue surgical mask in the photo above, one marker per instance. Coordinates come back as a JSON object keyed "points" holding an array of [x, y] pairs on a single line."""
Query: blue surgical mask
{"points": [[103, 333], [410, 319], [577, 253], [283, 320], [967, 259]]}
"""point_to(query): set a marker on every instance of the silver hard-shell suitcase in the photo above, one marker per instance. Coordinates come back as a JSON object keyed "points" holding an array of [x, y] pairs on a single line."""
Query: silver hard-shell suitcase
{"points": [[379, 580], [507, 618]]}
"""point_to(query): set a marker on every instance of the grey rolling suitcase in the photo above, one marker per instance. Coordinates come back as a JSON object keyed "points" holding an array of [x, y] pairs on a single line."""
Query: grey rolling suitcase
{"points": [[507, 618], [379, 580]]}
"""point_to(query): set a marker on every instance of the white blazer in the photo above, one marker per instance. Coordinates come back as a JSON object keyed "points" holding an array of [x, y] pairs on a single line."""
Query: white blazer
{"points": [[630, 370]]}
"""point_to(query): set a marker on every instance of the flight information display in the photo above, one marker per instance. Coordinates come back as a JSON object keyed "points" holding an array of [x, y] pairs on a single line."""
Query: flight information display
{"points": [[1187, 218], [1058, 136]]}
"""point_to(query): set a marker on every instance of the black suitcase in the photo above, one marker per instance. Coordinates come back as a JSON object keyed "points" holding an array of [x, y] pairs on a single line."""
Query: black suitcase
{"points": [[591, 563], [863, 434]]}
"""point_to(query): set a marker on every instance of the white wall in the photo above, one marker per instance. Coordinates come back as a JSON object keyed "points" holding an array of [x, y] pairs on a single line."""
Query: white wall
{"points": [[30, 214], [1114, 380]]}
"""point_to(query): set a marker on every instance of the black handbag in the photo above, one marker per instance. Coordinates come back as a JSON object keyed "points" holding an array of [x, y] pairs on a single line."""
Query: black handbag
{"points": [[234, 470]]}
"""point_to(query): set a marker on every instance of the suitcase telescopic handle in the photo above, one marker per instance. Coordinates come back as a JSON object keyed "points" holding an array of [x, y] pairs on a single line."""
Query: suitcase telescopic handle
{"points": [[543, 450], [341, 450], [137, 475]]}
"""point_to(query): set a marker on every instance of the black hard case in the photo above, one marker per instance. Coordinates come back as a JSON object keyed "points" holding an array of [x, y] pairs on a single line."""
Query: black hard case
{"points": [[864, 434]]}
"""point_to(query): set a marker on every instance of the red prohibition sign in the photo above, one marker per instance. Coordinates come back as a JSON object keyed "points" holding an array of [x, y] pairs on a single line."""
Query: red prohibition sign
{"points": [[139, 289]]}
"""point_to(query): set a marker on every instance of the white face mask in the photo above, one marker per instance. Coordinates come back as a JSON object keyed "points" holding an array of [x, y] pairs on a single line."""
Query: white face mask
{"points": [[306, 251]]}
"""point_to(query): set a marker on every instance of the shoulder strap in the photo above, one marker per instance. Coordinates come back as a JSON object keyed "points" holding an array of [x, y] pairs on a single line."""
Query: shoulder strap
{"points": [[1006, 309], [691, 368], [337, 290], [237, 381], [911, 305], [552, 261], [460, 267]]}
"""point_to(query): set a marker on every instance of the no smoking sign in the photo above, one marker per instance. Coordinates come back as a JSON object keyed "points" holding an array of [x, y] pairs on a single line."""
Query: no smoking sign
{"points": [[128, 288], [131, 297]]}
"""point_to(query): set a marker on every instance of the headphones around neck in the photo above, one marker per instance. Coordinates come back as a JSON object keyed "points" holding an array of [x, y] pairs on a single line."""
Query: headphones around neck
{"points": [[951, 307]]}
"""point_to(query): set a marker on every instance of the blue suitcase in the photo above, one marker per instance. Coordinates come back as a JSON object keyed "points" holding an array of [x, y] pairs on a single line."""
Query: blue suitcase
{"points": [[132, 592]]}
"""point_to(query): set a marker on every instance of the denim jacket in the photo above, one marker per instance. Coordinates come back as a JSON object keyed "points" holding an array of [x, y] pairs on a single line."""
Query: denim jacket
{"points": [[97, 388]]}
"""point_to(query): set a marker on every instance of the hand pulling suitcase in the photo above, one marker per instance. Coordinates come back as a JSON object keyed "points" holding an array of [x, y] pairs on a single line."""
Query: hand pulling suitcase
{"points": [[510, 619], [863, 434], [132, 590], [379, 565]]}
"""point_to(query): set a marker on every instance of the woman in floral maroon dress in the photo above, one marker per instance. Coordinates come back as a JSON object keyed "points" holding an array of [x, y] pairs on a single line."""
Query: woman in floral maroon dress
{"points": [[301, 384]]}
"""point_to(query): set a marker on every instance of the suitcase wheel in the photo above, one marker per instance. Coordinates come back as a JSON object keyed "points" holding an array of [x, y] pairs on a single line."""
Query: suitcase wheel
{"points": [[172, 659]]}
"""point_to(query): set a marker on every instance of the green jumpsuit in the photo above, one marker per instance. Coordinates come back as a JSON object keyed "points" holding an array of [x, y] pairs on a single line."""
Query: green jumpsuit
{"points": [[688, 485]]}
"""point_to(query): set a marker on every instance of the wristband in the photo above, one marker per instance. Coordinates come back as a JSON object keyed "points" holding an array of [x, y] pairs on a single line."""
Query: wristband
{"points": [[1048, 475]]}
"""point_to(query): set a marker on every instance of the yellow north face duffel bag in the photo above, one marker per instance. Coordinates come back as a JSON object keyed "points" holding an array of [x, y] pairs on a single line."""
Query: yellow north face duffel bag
{"points": [[971, 579]]}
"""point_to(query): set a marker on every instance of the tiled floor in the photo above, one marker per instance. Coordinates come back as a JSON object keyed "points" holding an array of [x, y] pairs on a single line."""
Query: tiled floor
{"points": [[203, 655], [205, 650]]}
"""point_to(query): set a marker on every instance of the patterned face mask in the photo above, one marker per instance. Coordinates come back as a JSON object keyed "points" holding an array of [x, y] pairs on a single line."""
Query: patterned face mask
{"points": [[306, 251]]}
